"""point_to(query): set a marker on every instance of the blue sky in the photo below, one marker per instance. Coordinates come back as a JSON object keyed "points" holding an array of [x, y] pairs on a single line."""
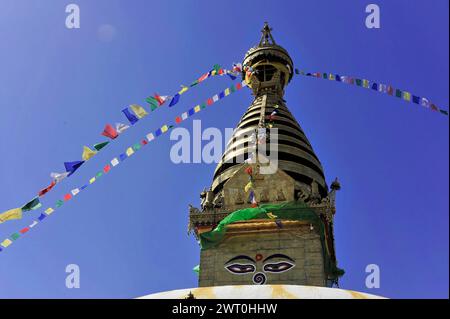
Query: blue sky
{"points": [[58, 87]]}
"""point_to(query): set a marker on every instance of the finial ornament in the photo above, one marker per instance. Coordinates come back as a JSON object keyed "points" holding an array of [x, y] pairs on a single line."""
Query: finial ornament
{"points": [[266, 35]]}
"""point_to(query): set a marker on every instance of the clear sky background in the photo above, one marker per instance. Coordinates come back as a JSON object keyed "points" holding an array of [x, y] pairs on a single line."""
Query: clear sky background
{"points": [[58, 87]]}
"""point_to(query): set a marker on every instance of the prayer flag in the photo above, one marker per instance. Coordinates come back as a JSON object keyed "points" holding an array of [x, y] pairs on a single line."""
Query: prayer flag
{"points": [[196, 269], [120, 127], [406, 96], [114, 161], [183, 89], [375, 86], [34, 223], [75, 191], [197, 108], [164, 128], [227, 92], [178, 120], [158, 132], [99, 146], [174, 100], [398, 93], [153, 102], [59, 203], [122, 157], [92, 180], [49, 210], [15, 213], [232, 77], [191, 112], [32, 205], [129, 151], [160, 98], [131, 117], [184, 116], [138, 110], [366, 83], [41, 217], [58, 177], [109, 131], [24, 230], [248, 186], [210, 101], [71, 167], [67, 197], [390, 90], [107, 168], [44, 191], [15, 236], [425, 102], [416, 99], [87, 153], [150, 137], [6, 243]]}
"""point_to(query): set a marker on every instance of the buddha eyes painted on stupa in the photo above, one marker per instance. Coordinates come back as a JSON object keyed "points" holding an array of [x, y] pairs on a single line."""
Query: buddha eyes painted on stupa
{"points": [[243, 265]]}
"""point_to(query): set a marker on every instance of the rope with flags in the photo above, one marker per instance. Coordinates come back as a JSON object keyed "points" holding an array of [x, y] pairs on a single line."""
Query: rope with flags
{"points": [[133, 113], [378, 87], [119, 159]]}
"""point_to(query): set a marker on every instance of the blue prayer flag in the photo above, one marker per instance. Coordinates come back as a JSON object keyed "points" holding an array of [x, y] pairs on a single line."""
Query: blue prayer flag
{"points": [[174, 100], [71, 167], [131, 117]]}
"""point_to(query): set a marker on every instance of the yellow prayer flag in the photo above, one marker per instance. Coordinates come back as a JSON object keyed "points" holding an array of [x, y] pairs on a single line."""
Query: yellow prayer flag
{"points": [[87, 153], [138, 110], [248, 186], [164, 129], [183, 89], [227, 91], [15, 213], [129, 151], [6, 243], [49, 210], [92, 180], [197, 109], [407, 96]]}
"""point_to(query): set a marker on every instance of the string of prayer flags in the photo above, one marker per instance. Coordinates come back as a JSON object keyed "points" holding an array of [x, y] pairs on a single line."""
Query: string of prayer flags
{"points": [[16, 213], [87, 153], [139, 112], [110, 132], [378, 87]]}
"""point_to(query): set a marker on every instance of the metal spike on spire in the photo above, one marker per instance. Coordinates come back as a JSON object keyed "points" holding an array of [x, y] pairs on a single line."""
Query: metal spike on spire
{"points": [[266, 36]]}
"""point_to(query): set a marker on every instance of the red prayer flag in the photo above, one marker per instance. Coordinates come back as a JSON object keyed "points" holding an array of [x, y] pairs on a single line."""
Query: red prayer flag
{"points": [[249, 170], [144, 142], [23, 231], [107, 168], [159, 99], [67, 197], [434, 107], [210, 101], [178, 120], [239, 86], [44, 191], [110, 131]]}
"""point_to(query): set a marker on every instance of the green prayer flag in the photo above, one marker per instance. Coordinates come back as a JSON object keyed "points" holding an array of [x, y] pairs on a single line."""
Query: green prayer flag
{"points": [[196, 269], [358, 82], [443, 112], [136, 146], [99, 174], [31, 205], [398, 93], [232, 88], [59, 203], [15, 236], [99, 146]]}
